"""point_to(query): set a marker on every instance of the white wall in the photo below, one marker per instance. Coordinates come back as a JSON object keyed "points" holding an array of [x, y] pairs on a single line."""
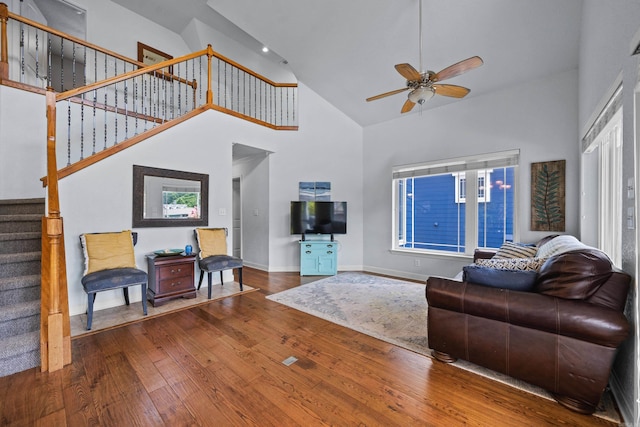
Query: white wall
{"points": [[608, 29], [538, 117], [22, 148], [99, 198]]}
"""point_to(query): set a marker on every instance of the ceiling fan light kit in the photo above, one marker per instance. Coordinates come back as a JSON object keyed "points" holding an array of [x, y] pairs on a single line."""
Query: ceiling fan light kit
{"points": [[421, 95], [422, 84]]}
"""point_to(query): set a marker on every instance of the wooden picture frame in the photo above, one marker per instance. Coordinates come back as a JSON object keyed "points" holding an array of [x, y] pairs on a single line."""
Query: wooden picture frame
{"points": [[151, 56], [548, 196]]}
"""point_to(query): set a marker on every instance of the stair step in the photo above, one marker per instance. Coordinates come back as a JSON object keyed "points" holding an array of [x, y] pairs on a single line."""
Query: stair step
{"points": [[20, 242], [20, 223], [19, 353], [24, 264], [19, 318], [18, 289], [22, 206]]}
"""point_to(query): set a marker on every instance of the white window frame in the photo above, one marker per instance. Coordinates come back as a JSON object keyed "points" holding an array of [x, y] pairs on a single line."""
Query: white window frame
{"points": [[604, 140], [470, 165], [483, 194]]}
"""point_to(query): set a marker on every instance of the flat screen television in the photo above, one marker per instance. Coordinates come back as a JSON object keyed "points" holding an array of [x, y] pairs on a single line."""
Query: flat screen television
{"points": [[318, 218]]}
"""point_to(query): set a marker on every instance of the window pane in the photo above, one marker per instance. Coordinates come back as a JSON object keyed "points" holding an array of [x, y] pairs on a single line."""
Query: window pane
{"points": [[495, 216], [433, 218]]}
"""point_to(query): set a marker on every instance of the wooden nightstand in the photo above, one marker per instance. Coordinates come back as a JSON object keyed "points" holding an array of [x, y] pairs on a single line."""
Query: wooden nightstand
{"points": [[170, 277]]}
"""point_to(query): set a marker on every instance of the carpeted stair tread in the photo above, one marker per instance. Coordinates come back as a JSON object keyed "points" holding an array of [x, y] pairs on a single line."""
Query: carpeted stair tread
{"points": [[20, 310], [18, 344], [26, 235], [19, 257], [21, 218], [9, 283]]}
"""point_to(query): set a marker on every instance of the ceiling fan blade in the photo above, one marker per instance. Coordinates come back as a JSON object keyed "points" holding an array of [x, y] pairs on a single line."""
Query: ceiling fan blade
{"points": [[458, 68], [408, 72], [382, 95], [451, 90], [408, 106]]}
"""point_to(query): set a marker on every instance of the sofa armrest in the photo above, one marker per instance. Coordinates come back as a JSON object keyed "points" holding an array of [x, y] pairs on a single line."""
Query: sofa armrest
{"points": [[571, 318], [483, 254]]}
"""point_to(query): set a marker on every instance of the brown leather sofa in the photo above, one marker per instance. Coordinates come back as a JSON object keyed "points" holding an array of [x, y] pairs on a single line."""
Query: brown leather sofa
{"points": [[561, 336]]}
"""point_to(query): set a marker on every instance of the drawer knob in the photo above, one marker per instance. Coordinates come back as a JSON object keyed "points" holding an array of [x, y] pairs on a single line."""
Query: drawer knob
{"points": [[329, 252], [308, 252]]}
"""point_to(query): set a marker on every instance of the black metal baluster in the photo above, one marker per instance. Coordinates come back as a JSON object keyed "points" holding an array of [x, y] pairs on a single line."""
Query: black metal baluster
{"points": [[21, 52], [68, 132], [126, 109], [115, 73], [179, 91], [84, 67], [61, 64], [135, 103], [106, 103], [82, 100], [73, 65], [49, 60]]}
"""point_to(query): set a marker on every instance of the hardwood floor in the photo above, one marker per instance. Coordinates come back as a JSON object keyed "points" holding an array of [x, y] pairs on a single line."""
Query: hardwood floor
{"points": [[220, 364]]}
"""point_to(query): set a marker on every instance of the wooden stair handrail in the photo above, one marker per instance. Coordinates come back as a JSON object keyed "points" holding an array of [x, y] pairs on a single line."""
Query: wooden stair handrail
{"points": [[131, 74]]}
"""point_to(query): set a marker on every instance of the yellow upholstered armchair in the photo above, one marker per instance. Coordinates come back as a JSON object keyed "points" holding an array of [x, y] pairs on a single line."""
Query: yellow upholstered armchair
{"points": [[213, 255], [110, 264]]}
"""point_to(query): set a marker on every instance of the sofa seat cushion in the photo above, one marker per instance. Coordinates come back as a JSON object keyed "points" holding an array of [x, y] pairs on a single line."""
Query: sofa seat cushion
{"points": [[219, 262], [113, 279], [517, 280], [575, 274]]}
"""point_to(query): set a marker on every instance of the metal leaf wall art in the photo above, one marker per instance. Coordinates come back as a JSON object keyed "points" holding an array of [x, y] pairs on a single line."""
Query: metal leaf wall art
{"points": [[548, 196]]}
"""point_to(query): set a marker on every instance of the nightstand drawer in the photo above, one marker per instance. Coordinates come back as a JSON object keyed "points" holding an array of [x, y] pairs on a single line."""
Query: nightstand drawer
{"points": [[175, 284], [175, 271]]}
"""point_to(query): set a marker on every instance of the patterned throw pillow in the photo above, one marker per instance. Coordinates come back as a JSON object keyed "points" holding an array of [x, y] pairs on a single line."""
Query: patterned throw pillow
{"points": [[515, 250], [513, 263]]}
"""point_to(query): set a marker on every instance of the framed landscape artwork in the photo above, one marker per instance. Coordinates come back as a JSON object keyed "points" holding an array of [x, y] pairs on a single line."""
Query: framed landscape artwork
{"points": [[548, 196]]}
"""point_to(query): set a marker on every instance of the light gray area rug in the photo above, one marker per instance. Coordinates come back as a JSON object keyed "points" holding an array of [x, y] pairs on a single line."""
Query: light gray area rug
{"points": [[393, 311]]}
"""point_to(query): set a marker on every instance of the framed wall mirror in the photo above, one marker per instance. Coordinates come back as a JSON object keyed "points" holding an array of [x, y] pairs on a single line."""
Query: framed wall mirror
{"points": [[169, 198]]}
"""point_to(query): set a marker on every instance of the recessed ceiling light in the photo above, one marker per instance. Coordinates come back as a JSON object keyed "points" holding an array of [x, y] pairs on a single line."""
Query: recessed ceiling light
{"points": [[265, 49]]}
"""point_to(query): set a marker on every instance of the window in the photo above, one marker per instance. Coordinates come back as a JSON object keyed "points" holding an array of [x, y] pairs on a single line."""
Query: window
{"points": [[603, 191], [455, 205]]}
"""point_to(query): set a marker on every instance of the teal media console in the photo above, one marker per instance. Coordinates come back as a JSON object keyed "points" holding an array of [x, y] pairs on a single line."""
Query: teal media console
{"points": [[318, 257]]}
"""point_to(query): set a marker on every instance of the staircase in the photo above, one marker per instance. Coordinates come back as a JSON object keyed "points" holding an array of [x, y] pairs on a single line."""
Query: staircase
{"points": [[20, 259]]}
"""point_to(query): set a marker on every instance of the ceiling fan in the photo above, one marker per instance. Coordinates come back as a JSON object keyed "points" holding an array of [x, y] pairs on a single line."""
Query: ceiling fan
{"points": [[424, 84]]}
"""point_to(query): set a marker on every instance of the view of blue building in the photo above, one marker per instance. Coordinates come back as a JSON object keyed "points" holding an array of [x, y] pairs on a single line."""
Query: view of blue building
{"points": [[434, 216]]}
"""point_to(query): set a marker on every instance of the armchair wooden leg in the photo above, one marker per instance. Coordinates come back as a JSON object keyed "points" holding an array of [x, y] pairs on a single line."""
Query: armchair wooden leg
{"points": [[240, 277], [91, 298], [144, 298], [221, 281], [201, 277], [125, 291], [210, 277]]}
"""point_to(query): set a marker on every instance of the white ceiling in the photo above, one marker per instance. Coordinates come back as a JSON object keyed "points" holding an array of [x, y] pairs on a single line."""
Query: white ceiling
{"points": [[345, 50]]}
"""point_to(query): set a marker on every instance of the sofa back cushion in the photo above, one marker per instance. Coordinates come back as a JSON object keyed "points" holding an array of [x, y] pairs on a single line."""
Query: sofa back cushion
{"points": [[574, 274]]}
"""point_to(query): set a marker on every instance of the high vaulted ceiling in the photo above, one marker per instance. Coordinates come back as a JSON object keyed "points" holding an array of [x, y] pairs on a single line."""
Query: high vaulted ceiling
{"points": [[345, 50]]}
